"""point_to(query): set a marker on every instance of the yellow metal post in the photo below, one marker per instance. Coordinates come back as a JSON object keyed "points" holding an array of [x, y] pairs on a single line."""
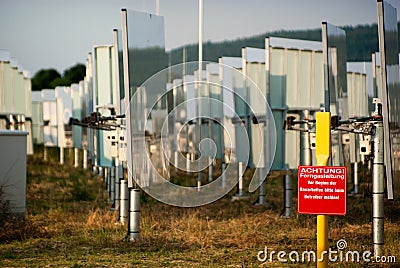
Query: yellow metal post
{"points": [[323, 144]]}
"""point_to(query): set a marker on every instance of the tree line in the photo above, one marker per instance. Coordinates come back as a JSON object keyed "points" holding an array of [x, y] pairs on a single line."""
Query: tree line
{"points": [[51, 78], [362, 41]]}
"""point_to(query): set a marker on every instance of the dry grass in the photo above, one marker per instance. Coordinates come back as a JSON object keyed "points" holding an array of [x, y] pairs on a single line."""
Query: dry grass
{"points": [[69, 224]]}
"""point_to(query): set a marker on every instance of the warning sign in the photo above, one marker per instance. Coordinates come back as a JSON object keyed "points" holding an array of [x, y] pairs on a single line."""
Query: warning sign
{"points": [[321, 190]]}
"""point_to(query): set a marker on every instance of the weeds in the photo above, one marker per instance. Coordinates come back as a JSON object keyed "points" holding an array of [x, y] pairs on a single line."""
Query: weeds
{"points": [[69, 224]]}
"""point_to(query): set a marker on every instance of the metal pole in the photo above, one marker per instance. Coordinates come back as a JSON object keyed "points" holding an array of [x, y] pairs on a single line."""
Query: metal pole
{"points": [[199, 174], [117, 186], [62, 155], [134, 215], [223, 181], [176, 160], [100, 170], [305, 143], [96, 169], [262, 191], [210, 169], [12, 122], [112, 184], [355, 167], [200, 67], [378, 191], [200, 36], [124, 201], [157, 7], [188, 163], [85, 159], [288, 185], [76, 157], [241, 181], [241, 194], [107, 176]]}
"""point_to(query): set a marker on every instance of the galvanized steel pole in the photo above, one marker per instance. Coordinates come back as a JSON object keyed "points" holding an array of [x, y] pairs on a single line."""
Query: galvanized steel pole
{"points": [[116, 185], [378, 190], [305, 143], [124, 201], [288, 195], [356, 183], [134, 215], [62, 155], [112, 183], [76, 157], [262, 191], [85, 160], [210, 169]]}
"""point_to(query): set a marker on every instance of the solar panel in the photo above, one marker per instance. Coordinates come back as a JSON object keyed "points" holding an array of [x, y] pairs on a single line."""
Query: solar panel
{"points": [[76, 95], [231, 82], [64, 113], [143, 56], [335, 80], [37, 117], [335, 58], [50, 132], [216, 107], [389, 62], [105, 97]]}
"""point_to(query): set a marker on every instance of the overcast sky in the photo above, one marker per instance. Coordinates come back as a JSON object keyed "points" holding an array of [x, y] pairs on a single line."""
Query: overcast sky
{"points": [[60, 33]]}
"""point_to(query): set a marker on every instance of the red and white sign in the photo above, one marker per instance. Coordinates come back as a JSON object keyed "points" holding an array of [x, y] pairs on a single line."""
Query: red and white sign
{"points": [[321, 190]]}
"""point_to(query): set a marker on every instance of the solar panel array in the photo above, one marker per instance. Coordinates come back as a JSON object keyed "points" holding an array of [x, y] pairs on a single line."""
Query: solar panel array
{"points": [[227, 113]]}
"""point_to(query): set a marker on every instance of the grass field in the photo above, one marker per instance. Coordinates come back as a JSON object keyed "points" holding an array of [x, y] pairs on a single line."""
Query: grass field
{"points": [[69, 224]]}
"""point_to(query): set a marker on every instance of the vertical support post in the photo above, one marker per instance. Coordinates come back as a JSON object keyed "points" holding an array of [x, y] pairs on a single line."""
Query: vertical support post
{"points": [[157, 7], [356, 183], [176, 160], [124, 204], [241, 181], [100, 170], [62, 155], [305, 143], [288, 185], [134, 215], [187, 163], [199, 175], [117, 186], [378, 191], [96, 169], [12, 122], [76, 157], [241, 194], [200, 78], [323, 142], [223, 181], [262, 191], [85, 160], [200, 36], [107, 179], [210, 169], [112, 184]]}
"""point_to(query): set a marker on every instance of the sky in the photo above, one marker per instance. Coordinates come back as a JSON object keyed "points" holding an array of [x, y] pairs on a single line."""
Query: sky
{"points": [[43, 34]]}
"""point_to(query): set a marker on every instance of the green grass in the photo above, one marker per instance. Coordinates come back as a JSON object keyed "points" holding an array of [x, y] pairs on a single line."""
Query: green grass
{"points": [[69, 224]]}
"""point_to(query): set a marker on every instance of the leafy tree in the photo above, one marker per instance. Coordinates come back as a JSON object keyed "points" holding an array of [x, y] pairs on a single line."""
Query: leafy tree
{"points": [[74, 74], [59, 81], [43, 78], [51, 78]]}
